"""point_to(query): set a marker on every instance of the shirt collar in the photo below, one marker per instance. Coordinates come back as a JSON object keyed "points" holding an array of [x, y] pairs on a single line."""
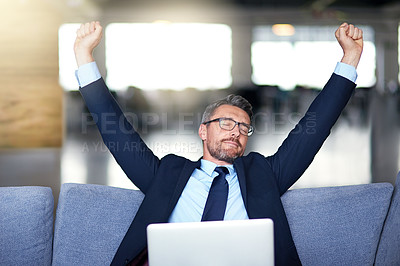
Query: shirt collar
{"points": [[208, 167]]}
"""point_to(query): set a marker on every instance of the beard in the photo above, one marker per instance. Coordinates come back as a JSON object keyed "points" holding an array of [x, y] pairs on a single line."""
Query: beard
{"points": [[225, 155]]}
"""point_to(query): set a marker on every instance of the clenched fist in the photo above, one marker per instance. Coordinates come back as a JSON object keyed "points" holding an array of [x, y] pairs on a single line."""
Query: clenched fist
{"points": [[88, 36], [350, 39]]}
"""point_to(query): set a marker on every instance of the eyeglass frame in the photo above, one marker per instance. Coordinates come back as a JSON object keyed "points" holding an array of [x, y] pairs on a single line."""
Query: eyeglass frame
{"points": [[249, 127]]}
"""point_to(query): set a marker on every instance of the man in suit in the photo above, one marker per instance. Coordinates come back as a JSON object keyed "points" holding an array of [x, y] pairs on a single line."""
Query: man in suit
{"points": [[177, 189]]}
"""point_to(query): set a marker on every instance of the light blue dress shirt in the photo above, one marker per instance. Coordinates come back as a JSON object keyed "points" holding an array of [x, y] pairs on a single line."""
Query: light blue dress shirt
{"points": [[191, 204]]}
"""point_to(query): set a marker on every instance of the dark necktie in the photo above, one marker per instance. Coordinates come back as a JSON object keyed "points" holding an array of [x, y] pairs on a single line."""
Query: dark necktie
{"points": [[217, 197]]}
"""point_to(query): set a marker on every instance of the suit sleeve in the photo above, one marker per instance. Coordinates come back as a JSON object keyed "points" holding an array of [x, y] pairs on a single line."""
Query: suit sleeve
{"points": [[302, 144], [132, 154]]}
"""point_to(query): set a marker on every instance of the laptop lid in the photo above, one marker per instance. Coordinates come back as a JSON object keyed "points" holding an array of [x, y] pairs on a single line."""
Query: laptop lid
{"points": [[239, 242]]}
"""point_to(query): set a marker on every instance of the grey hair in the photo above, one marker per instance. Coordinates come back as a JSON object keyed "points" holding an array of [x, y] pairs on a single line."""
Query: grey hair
{"points": [[234, 100]]}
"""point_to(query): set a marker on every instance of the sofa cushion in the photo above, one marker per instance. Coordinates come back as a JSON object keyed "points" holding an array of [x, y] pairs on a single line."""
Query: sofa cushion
{"points": [[26, 225], [91, 221], [389, 246], [337, 225]]}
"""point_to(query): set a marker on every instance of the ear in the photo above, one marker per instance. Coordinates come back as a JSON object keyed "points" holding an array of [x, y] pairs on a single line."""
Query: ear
{"points": [[203, 132]]}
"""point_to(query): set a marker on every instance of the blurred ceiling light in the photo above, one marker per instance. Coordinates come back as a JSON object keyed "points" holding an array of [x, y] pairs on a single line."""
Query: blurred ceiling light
{"points": [[180, 55], [283, 29], [161, 21]]}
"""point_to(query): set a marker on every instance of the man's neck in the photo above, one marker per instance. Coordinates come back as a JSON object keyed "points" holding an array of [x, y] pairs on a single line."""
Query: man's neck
{"points": [[216, 161]]}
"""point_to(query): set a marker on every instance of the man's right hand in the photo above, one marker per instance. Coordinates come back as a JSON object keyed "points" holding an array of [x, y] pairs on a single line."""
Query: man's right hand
{"points": [[350, 39], [88, 36]]}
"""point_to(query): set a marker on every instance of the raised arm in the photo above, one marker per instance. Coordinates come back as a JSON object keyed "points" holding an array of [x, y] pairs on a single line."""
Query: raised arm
{"points": [[132, 154], [304, 141]]}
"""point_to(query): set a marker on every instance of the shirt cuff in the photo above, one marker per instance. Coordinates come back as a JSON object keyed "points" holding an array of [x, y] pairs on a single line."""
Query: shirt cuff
{"points": [[87, 73], [347, 71]]}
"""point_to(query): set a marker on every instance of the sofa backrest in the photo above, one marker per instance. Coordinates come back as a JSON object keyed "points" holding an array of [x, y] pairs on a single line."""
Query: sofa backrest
{"points": [[330, 226], [26, 225], [389, 246], [338, 225], [91, 221]]}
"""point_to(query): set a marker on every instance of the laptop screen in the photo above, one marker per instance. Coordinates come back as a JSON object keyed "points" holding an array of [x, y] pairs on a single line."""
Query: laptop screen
{"points": [[240, 242]]}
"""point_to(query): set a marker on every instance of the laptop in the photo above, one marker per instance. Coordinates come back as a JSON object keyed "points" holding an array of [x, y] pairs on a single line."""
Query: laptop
{"points": [[220, 243]]}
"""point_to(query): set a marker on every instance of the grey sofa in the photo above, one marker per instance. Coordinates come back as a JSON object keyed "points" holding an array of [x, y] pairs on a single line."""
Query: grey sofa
{"points": [[26, 225], [347, 225]]}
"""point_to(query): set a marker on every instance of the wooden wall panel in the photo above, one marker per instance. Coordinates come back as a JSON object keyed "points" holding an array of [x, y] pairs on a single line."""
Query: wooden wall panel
{"points": [[30, 95]]}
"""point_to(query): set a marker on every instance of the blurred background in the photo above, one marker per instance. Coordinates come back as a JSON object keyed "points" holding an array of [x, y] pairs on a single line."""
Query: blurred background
{"points": [[164, 61]]}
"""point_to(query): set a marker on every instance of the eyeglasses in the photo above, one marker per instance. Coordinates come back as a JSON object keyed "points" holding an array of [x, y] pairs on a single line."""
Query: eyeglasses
{"points": [[229, 124]]}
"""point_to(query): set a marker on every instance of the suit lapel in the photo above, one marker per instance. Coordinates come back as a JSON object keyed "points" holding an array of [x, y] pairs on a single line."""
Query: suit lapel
{"points": [[182, 181], [239, 166]]}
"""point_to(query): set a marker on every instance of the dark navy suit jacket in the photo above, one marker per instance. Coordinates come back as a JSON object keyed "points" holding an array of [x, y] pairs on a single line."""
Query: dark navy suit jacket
{"points": [[263, 180]]}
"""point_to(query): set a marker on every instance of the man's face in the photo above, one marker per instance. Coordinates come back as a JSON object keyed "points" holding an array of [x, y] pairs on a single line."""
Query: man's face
{"points": [[223, 146]]}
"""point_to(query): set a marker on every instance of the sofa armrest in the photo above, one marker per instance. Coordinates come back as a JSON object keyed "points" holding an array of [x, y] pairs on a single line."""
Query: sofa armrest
{"points": [[26, 225], [91, 221], [338, 225], [389, 246]]}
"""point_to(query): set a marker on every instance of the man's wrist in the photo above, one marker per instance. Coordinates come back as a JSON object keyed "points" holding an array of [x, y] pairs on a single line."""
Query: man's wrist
{"points": [[346, 71], [83, 58], [87, 73], [352, 59]]}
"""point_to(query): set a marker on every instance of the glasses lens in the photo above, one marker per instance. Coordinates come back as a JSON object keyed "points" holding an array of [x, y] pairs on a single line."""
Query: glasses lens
{"points": [[226, 123], [244, 129], [229, 124]]}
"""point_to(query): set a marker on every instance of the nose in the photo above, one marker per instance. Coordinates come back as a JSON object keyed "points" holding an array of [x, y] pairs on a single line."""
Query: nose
{"points": [[235, 132]]}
